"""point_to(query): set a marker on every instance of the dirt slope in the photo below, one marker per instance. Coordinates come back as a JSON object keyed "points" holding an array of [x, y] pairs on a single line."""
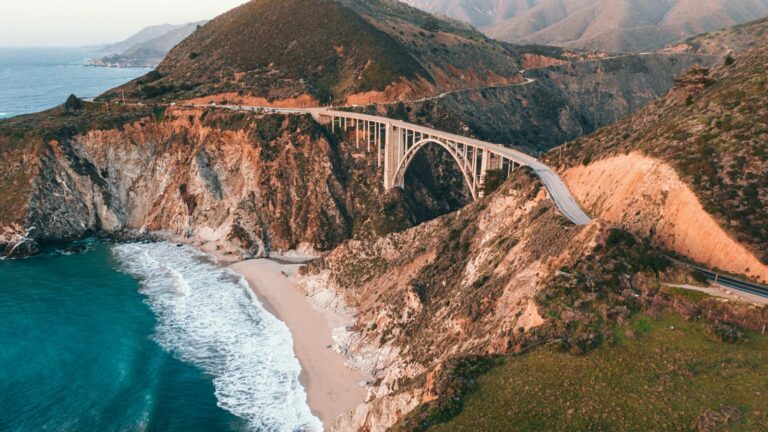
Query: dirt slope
{"points": [[712, 131]]}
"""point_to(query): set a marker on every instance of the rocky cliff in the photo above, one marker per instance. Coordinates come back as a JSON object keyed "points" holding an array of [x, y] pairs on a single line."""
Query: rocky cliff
{"points": [[247, 182], [434, 305], [462, 284]]}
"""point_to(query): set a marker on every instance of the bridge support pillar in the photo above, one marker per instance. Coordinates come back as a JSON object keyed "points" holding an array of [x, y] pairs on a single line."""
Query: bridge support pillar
{"points": [[391, 153], [490, 162]]}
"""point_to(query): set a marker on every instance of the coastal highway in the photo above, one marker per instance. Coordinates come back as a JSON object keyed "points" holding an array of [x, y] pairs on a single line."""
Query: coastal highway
{"points": [[728, 281]]}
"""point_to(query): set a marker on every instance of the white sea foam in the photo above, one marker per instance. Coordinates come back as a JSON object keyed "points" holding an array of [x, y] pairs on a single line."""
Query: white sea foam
{"points": [[208, 316]]}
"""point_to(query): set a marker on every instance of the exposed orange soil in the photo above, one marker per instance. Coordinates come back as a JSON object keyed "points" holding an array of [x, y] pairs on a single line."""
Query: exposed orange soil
{"points": [[303, 101], [535, 61], [648, 197]]}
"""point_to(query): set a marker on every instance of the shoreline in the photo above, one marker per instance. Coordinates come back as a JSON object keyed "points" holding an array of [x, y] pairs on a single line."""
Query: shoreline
{"points": [[332, 387]]}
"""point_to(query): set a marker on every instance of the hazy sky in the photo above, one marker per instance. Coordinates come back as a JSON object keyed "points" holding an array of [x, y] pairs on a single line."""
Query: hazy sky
{"points": [[82, 22]]}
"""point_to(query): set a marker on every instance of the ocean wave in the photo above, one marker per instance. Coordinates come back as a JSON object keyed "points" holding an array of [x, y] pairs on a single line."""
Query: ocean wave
{"points": [[208, 316]]}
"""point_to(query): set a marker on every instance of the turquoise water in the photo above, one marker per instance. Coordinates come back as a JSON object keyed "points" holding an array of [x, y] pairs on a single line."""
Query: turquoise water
{"points": [[36, 79], [132, 337], [78, 354], [141, 337]]}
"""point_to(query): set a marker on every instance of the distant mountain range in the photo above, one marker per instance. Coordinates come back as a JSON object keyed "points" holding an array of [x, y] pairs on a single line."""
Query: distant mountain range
{"points": [[146, 48], [731, 40], [604, 25]]}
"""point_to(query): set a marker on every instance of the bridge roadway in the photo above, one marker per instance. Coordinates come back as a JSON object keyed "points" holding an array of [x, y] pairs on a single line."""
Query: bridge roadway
{"points": [[557, 189]]}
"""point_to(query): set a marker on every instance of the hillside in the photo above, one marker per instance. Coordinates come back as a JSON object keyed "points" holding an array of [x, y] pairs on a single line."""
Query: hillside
{"points": [[320, 51], [602, 25], [146, 52], [700, 153], [560, 103], [144, 35], [735, 39], [507, 277]]}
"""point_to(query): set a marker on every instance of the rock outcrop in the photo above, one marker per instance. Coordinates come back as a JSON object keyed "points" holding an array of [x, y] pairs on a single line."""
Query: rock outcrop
{"points": [[647, 197], [460, 285], [246, 182]]}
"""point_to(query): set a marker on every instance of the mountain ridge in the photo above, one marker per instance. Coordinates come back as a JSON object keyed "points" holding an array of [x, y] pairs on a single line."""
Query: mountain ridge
{"points": [[147, 48], [377, 50], [602, 25]]}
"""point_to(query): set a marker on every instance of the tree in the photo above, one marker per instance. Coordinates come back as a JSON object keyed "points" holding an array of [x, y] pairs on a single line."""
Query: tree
{"points": [[400, 112], [729, 60], [431, 24], [492, 180], [73, 103]]}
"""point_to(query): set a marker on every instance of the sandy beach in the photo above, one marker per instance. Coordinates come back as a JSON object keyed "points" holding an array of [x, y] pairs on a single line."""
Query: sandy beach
{"points": [[332, 387]]}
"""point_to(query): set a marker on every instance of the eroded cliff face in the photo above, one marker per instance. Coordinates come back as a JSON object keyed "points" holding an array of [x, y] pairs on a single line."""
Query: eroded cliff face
{"points": [[192, 179], [646, 196], [463, 284], [696, 155], [247, 183]]}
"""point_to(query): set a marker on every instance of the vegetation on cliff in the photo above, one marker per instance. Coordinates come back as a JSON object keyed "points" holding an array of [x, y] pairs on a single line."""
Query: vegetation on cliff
{"points": [[713, 128]]}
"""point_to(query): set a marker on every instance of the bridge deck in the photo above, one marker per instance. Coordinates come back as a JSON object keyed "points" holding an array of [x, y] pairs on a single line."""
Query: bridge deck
{"points": [[554, 184]]}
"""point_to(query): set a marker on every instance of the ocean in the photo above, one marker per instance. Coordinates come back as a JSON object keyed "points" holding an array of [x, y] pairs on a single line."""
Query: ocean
{"points": [[36, 79], [138, 336], [141, 337]]}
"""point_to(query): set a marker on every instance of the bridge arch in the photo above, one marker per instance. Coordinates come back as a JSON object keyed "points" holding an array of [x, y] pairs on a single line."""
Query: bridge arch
{"points": [[411, 153], [393, 141]]}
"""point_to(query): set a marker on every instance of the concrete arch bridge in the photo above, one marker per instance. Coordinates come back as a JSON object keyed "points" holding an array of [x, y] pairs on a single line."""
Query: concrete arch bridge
{"points": [[396, 143]]}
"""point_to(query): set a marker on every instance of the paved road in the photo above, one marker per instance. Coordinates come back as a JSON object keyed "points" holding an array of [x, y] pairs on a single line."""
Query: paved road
{"points": [[728, 281]]}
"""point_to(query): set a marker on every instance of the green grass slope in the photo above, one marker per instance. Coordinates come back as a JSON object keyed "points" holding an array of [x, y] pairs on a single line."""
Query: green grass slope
{"points": [[676, 375]]}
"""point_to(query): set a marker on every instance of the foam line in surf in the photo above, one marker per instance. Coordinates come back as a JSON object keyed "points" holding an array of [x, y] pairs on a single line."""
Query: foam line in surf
{"points": [[208, 316]]}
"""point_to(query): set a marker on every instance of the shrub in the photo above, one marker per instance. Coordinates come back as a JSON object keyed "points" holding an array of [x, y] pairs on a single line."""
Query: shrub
{"points": [[73, 103], [726, 332], [492, 180]]}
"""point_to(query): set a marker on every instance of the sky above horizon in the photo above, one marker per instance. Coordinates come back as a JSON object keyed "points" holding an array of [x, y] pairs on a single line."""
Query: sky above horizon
{"points": [[91, 22]]}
